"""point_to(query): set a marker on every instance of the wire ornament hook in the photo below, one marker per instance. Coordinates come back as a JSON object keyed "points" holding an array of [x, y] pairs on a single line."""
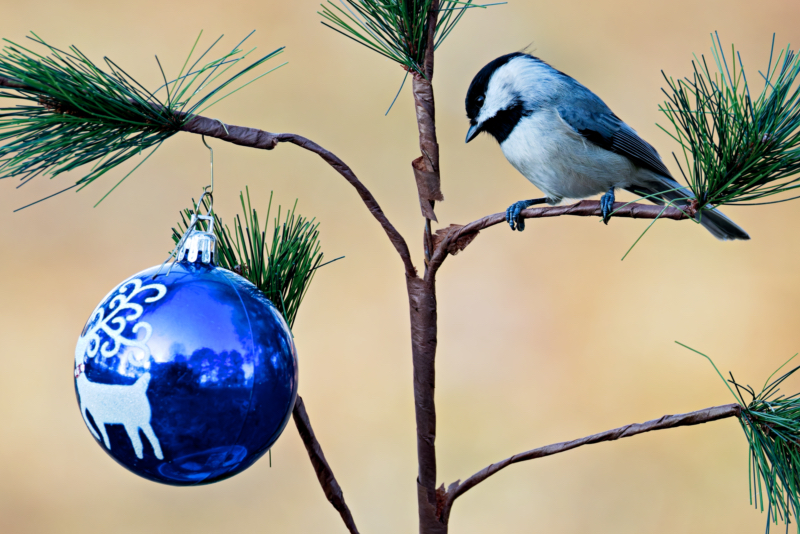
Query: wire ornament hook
{"points": [[192, 227], [209, 188]]}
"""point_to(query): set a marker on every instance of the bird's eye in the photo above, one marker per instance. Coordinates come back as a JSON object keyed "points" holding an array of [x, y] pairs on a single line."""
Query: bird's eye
{"points": [[479, 100]]}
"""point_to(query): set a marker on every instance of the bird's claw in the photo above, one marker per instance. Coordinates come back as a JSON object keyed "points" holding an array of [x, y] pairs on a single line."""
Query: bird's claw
{"points": [[607, 205], [513, 215]]}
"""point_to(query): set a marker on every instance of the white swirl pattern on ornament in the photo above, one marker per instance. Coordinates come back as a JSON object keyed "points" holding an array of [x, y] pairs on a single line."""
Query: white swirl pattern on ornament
{"points": [[99, 323]]}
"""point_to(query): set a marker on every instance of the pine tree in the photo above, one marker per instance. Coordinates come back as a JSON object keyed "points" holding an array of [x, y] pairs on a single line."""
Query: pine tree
{"points": [[736, 149]]}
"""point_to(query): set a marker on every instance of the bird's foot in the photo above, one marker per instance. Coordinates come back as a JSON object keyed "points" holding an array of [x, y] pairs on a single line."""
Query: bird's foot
{"points": [[513, 218], [607, 205]]}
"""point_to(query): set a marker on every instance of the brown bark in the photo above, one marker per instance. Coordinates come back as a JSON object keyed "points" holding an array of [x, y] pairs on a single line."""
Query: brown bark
{"points": [[426, 167], [15, 84], [428, 187], [455, 238], [324, 473], [668, 421], [238, 135], [422, 306]]}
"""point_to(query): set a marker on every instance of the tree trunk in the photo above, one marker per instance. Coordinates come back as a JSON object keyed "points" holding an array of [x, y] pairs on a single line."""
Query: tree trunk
{"points": [[422, 305]]}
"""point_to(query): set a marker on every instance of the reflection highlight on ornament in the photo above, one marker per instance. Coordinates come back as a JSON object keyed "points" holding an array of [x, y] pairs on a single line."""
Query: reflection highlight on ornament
{"points": [[201, 465]]}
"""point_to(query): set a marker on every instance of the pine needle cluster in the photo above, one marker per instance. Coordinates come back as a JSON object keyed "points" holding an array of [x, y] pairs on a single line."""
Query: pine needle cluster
{"points": [[281, 266], [736, 148], [771, 423], [396, 29], [70, 112]]}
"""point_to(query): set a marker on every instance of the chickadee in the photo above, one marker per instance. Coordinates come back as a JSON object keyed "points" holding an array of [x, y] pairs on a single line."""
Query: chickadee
{"points": [[567, 142]]}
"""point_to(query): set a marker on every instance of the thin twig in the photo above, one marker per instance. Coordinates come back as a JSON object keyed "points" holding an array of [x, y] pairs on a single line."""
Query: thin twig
{"points": [[584, 208], [458, 488], [255, 138], [324, 473]]}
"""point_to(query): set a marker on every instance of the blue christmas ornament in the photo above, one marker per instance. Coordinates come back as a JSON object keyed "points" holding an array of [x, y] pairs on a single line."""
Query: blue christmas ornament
{"points": [[189, 377]]}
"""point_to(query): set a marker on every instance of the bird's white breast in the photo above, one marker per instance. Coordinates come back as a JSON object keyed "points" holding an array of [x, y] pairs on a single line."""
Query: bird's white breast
{"points": [[560, 162]]}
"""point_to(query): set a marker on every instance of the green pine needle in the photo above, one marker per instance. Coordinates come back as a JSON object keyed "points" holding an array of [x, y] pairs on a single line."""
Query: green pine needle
{"points": [[396, 29], [771, 423], [75, 113], [737, 149], [282, 266]]}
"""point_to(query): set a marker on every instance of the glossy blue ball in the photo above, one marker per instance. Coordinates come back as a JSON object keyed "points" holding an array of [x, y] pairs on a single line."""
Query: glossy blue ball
{"points": [[186, 379]]}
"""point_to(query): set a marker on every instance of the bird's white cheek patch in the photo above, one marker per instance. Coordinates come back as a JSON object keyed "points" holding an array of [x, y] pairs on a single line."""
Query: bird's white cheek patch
{"points": [[500, 95]]}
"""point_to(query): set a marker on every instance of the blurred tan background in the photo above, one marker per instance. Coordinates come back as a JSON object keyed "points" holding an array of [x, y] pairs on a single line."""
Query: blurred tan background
{"points": [[544, 336]]}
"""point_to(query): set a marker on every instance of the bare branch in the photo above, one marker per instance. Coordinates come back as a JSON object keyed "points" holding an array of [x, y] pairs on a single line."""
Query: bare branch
{"points": [[255, 138], [457, 235], [326, 479], [668, 421]]}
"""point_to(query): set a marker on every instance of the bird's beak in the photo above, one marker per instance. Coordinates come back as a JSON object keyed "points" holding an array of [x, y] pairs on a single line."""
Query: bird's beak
{"points": [[474, 130]]}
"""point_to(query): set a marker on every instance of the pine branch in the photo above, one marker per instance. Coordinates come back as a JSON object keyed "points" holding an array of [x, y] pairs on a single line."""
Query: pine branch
{"points": [[70, 112], [737, 149], [397, 29], [458, 488], [771, 423], [14, 84], [255, 138], [324, 473], [455, 238]]}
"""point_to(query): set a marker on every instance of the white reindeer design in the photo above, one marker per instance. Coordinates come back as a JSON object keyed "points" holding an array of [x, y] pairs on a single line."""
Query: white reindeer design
{"points": [[113, 404]]}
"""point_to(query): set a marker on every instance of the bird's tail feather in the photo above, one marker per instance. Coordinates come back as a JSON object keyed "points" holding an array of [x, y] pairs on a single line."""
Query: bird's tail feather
{"points": [[721, 226], [712, 220]]}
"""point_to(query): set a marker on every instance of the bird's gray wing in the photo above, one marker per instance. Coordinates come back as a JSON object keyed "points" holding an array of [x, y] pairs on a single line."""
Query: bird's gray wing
{"points": [[590, 117]]}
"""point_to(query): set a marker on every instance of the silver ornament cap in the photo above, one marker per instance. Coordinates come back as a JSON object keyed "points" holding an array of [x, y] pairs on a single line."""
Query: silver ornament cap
{"points": [[199, 244]]}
